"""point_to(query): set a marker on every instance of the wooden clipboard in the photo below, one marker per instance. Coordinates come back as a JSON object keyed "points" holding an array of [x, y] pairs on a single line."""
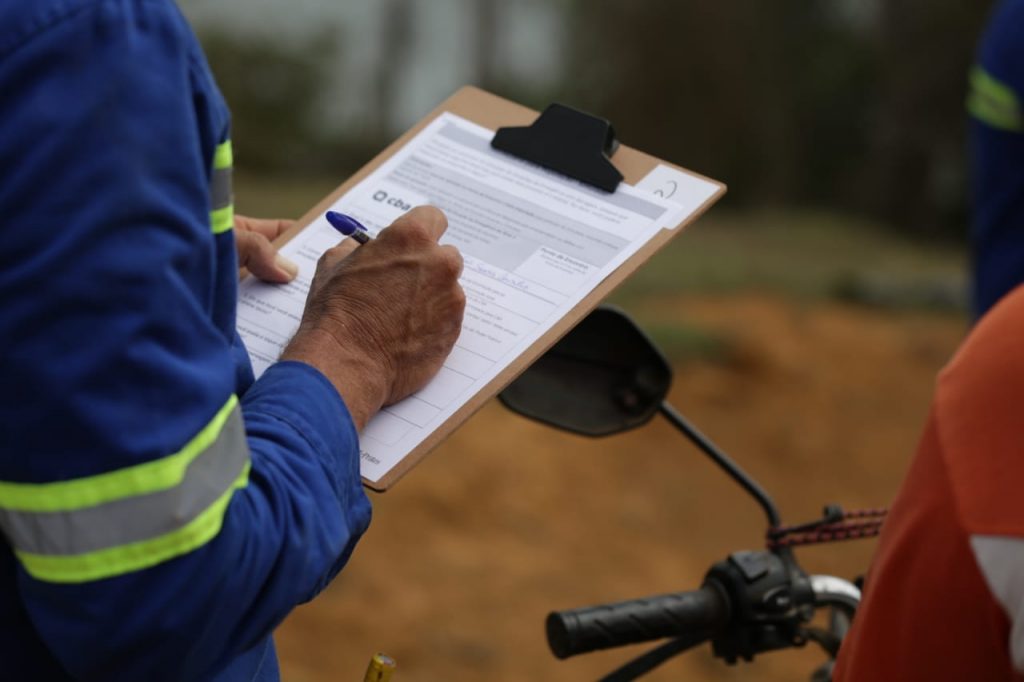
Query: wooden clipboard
{"points": [[493, 112]]}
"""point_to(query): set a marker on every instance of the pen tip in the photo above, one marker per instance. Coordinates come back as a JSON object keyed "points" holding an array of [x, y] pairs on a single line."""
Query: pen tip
{"points": [[340, 222]]}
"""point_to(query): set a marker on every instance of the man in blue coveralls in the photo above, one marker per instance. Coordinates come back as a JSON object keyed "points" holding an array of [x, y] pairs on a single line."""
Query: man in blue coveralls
{"points": [[161, 512], [997, 141]]}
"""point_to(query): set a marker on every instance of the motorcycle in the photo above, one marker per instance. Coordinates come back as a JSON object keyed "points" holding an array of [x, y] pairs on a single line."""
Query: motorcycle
{"points": [[605, 377]]}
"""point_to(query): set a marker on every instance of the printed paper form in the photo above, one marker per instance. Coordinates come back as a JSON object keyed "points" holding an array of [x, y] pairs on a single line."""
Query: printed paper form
{"points": [[534, 242]]}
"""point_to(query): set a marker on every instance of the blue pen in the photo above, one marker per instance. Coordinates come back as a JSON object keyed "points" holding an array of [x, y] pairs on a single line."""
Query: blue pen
{"points": [[348, 226]]}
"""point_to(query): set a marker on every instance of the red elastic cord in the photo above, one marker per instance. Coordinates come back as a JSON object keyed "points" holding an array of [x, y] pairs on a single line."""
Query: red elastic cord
{"points": [[836, 527]]}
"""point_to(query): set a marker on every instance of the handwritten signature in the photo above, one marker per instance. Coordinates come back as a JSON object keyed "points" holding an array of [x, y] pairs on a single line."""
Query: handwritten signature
{"points": [[498, 275]]}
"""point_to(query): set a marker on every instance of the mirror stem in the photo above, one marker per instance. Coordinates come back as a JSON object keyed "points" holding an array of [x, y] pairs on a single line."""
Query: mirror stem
{"points": [[723, 461]]}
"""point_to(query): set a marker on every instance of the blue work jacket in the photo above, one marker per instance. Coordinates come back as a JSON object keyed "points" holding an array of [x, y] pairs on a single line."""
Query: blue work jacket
{"points": [[160, 511], [996, 105]]}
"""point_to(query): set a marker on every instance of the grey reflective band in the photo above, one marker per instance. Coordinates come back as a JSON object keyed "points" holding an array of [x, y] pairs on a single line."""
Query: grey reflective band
{"points": [[220, 189], [142, 517], [999, 557]]}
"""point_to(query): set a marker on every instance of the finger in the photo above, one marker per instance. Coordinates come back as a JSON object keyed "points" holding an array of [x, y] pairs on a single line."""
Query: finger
{"points": [[453, 259], [271, 228], [334, 255], [256, 253], [241, 223], [427, 221]]}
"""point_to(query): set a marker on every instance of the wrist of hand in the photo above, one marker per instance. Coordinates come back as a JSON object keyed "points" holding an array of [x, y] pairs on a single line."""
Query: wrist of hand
{"points": [[357, 375]]}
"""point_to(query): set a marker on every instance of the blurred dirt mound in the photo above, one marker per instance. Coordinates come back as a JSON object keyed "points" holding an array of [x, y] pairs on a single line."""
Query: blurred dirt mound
{"points": [[508, 520]]}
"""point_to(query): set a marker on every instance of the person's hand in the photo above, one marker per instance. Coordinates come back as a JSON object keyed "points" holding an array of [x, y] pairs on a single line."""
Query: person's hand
{"points": [[380, 321], [253, 237]]}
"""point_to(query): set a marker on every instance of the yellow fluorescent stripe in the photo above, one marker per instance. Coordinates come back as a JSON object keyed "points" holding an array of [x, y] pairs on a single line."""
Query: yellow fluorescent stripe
{"points": [[107, 563], [223, 219], [149, 477], [996, 116], [998, 92], [222, 157], [994, 103]]}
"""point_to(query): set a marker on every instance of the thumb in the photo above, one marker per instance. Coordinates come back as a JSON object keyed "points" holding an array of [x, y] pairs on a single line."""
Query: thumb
{"points": [[256, 253]]}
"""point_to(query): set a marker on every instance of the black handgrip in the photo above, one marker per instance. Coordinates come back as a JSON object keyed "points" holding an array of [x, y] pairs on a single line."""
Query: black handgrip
{"points": [[610, 625]]}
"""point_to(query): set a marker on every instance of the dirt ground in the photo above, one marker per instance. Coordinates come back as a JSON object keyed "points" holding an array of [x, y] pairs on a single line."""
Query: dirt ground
{"points": [[509, 520]]}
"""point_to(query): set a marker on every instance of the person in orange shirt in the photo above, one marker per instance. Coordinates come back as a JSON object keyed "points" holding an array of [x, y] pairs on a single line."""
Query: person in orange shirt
{"points": [[944, 598]]}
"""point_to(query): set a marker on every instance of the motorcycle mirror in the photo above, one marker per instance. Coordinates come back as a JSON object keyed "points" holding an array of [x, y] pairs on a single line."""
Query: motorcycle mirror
{"points": [[603, 377]]}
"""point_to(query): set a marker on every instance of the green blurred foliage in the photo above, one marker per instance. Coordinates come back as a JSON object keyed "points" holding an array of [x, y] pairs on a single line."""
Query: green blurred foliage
{"points": [[274, 89], [850, 106], [793, 101], [796, 254]]}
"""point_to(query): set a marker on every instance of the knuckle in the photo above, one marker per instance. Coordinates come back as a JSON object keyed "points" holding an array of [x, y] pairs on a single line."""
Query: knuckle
{"points": [[329, 257], [420, 225], [261, 243], [415, 231], [451, 261], [243, 238], [405, 234]]}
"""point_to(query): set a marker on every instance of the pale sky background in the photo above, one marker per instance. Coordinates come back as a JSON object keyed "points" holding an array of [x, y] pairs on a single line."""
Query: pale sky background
{"points": [[528, 47]]}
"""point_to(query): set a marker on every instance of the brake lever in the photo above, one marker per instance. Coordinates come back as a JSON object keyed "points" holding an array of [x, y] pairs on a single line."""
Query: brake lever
{"points": [[827, 640], [645, 663]]}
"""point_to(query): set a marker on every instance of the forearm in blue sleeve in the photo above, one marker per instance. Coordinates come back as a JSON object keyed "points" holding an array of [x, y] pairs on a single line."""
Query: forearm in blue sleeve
{"points": [[162, 525]]}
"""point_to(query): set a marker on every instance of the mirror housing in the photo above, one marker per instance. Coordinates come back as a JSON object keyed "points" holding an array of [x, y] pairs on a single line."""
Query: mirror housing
{"points": [[603, 377]]}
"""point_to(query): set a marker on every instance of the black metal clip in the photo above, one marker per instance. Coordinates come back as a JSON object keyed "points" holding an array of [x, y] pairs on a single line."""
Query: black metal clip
{"points": [[568, 141]]}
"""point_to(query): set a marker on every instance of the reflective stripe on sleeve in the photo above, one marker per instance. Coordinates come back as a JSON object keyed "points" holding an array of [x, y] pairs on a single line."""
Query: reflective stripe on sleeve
{"points": [[222, 156], [1001, 561], [993, 102], [220, 188], [122, 521], [222, 210], [222, 219]]}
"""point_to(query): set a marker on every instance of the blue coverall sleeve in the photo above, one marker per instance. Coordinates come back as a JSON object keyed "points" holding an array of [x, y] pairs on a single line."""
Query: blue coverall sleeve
{"points": [[162, 525], [996, 103]]}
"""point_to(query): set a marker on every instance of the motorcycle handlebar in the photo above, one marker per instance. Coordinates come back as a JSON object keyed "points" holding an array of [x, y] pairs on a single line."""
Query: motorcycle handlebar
{"points": [[704, 611]]}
